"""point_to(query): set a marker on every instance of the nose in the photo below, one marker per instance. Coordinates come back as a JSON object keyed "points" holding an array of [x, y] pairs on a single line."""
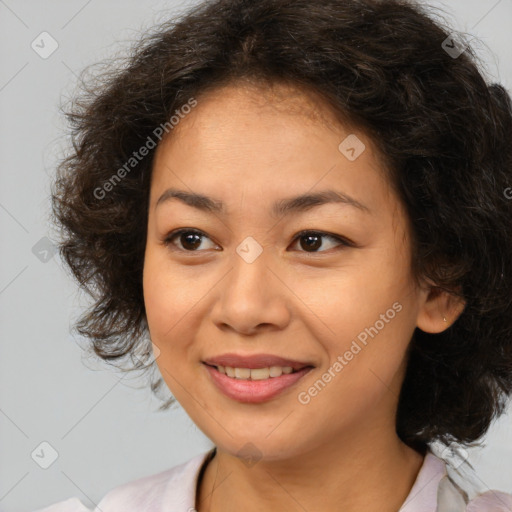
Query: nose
{"points": [[253, 297]]}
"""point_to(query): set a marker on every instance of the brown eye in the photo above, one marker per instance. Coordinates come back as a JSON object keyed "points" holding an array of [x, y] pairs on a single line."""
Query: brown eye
{"points": [[311, 241], [188, 239]]}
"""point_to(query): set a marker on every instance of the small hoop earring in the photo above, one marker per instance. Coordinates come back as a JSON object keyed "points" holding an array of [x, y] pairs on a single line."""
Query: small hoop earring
{"points": [[444, 318]]}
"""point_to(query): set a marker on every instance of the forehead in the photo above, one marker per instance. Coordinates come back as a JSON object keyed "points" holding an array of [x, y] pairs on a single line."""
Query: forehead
{"points": [[274, 97], [236, 108], [247, 139]]}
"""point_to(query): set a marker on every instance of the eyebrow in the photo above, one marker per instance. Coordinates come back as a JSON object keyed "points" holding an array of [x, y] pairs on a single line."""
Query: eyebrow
{"points": [[281, 207]]}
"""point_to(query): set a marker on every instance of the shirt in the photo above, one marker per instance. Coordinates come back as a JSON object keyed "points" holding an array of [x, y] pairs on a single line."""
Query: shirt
{"points": [[174, 490]]}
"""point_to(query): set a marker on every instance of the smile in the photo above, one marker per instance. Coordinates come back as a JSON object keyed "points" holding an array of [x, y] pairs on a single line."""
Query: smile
{"points": [[255, 373], [254, 385]]}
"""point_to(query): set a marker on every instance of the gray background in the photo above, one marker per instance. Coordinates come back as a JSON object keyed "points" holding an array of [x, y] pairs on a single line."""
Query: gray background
{"points": [[106, 431]]}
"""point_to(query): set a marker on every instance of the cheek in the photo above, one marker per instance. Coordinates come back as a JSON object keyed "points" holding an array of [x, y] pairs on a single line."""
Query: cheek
{"points": [[172, 301], [362, 376], [168, 294], [354, 297], [163, 310], [367, 317], [164, 307], [157, 300]]}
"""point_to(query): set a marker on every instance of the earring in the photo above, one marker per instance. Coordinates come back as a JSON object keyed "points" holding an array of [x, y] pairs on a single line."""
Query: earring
{"points": [[444, 318]]}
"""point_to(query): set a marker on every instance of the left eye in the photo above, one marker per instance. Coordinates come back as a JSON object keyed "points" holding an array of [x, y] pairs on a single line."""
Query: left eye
{"points": [[313, 240], [190, 240]]}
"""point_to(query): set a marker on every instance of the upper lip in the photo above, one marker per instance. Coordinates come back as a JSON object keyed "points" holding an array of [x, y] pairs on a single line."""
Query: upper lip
{"points": [[254, 361]]}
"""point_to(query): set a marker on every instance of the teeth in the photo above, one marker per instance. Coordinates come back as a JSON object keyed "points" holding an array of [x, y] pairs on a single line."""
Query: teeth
{"points": [[242, 373], [254, 373]]}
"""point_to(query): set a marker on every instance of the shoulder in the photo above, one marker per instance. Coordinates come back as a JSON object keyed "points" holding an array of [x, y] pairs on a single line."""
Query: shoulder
{"points": [[175, 487], [442, 486], [70, 505], [460, 489], [172, 489], [491, 501], [453, 498]]}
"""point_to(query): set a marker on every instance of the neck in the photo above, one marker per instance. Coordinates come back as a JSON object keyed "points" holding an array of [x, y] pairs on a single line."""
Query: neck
{"points": [[369, 471]]}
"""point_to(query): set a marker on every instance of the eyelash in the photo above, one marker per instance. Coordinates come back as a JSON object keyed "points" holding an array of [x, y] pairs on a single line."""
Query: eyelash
{"points": [[343, 241]]}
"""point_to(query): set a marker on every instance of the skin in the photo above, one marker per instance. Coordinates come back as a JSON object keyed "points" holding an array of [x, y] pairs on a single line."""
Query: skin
{"points": [[249, 147]]}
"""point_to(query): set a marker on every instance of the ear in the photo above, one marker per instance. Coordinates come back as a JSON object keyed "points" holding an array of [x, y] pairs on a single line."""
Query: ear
{"points": [[437, 306]]}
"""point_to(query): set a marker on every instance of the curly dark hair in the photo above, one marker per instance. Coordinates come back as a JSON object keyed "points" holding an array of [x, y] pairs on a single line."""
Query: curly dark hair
{"points": [[443, 130]]}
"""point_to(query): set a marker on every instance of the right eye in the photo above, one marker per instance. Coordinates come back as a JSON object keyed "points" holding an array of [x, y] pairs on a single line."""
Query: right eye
{"points": [[189, 239]]}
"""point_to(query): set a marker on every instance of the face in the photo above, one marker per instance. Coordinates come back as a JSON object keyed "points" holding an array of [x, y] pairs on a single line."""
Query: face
{"points": [[241, 279]]}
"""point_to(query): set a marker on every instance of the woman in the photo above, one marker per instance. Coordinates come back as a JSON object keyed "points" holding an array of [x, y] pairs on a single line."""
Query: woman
{"points": [[305, 207]]}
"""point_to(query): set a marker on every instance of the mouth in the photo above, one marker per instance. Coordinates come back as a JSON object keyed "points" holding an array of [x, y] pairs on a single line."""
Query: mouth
{"points": [[255, 362], [268, 372], [254, 379]]}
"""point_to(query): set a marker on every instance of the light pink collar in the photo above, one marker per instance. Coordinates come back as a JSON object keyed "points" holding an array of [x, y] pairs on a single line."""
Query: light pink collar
{"points": [[423, 494]]}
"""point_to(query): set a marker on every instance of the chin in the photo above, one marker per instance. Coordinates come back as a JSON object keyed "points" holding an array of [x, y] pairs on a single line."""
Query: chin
{"points": [[260, 446]]}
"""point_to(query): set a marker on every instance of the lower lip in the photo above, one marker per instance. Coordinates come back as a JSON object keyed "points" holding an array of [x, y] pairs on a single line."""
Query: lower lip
{"points": [[254, 391]]}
